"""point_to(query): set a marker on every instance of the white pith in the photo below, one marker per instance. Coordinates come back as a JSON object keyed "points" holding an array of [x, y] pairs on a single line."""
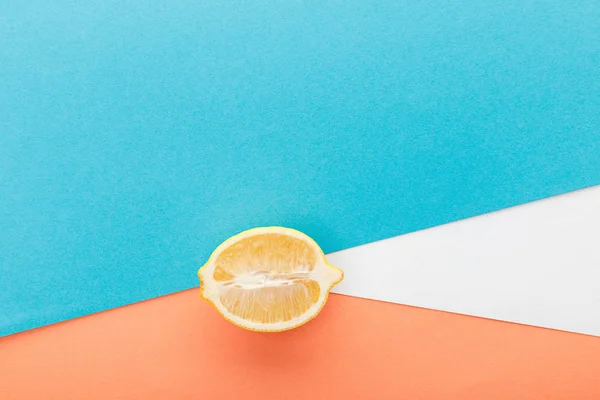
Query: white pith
{"points": [[324, 274]]}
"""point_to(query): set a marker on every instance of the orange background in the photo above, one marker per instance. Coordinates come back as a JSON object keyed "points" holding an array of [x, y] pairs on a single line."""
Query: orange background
{"points": [[178, 347]]}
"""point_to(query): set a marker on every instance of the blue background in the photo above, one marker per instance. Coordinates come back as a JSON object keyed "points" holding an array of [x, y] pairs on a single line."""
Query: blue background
{"points": [[135, 136]]}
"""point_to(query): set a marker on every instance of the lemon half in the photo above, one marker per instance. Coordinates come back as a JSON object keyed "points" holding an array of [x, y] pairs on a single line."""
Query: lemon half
{"points": [[268, 279]]}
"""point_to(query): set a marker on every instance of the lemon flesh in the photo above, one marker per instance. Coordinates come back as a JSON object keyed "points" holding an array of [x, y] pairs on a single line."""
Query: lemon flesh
{"points": [[268, 279]]}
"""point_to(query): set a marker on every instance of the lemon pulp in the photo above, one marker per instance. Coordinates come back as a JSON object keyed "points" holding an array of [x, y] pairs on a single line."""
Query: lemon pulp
{"points": [[268, 279]]}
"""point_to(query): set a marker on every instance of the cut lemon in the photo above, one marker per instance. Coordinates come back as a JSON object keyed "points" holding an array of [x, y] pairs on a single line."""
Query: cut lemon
{"points": [[268, 279]]}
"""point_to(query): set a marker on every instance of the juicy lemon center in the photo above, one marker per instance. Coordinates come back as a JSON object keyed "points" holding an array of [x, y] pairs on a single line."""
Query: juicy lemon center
{"points": [[266, 278]]}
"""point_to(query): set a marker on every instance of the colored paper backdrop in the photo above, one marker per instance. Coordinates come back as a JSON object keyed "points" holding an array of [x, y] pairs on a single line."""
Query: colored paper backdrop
{"points": [[135, 137], [177, 347]]}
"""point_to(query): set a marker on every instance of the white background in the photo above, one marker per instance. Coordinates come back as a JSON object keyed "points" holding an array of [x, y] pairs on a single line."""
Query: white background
{"points": [[536, 264]]}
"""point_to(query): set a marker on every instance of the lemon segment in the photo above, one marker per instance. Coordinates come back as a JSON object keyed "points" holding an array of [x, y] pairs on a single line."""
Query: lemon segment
{"points": [[268, 279]]}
